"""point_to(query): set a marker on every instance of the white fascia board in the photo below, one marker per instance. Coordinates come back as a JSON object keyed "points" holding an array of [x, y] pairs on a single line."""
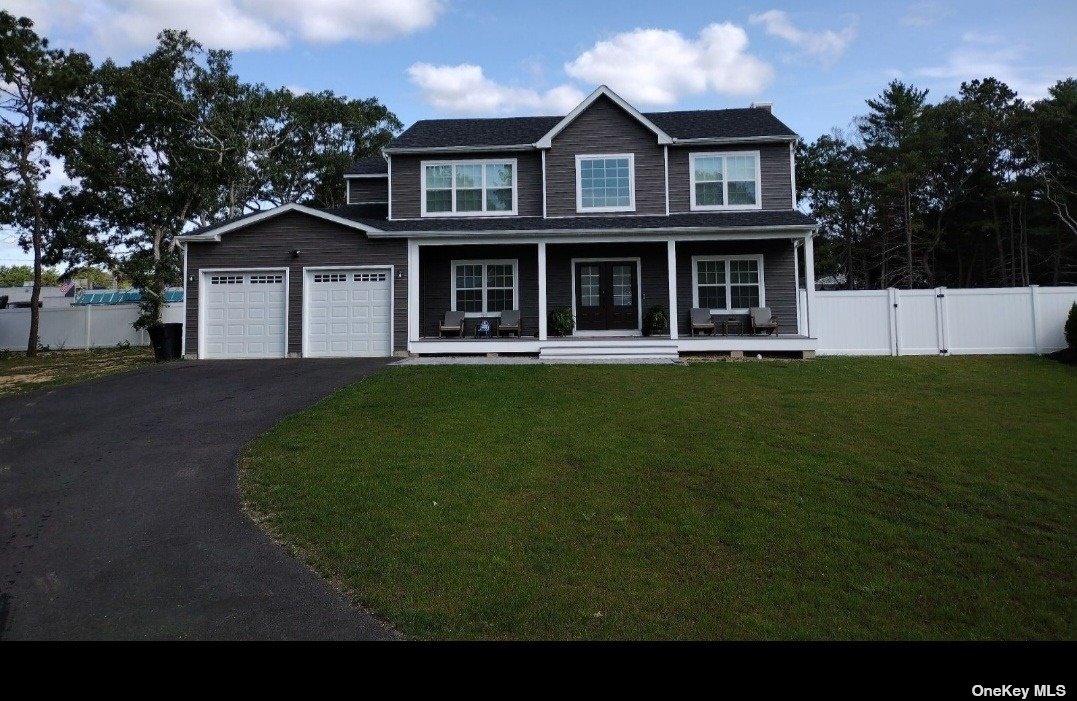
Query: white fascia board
{"points": [[215, 233], [459, 149], [366, 175], [603, 235], [547, 140], [721, 140]]}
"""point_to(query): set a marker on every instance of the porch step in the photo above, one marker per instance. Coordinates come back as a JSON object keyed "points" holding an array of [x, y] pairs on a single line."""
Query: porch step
{"points": [[610, 351]]}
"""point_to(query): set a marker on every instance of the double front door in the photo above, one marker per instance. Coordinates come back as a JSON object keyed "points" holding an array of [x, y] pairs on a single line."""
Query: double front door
{"points": [[606, 295]]}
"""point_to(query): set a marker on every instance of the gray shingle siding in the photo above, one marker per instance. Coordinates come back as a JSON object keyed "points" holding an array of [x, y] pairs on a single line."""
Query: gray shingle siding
{"points": [[779, 279], [368, 190], [407, 182], [604, 128], [776, 187], [269, 244]]}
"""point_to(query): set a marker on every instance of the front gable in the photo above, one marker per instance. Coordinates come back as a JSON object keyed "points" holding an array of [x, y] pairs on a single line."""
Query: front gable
{"points": [[605, 127]]}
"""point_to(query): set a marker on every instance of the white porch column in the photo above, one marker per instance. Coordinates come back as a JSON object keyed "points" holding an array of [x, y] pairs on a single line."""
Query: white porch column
{"points": [[413, 291], [542, 289], [809, 280], [671, 262]]}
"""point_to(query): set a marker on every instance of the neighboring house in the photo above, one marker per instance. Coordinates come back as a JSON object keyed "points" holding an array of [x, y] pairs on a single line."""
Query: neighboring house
{"points": [[605, 211], [94, 298], [51, 296]]}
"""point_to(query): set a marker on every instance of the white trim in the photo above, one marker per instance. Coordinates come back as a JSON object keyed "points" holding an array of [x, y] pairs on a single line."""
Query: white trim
{"points": [[671, 275], [631, 207], [639, 295], [451, 238], [665, 169], [418, 150], [366, 175], [542, 310], [389, 161], [729, 309], [215, 233], [793, 172], [796, 281], [483, 163], [202, 273], [413, 291], [543, 154], [809, 281], [730, 140], [484, 262], [305, 316], [725, 182], [547, 140], [758, 344]]}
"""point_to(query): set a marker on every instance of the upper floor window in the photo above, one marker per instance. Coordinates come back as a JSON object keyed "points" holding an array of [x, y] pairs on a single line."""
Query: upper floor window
{"points": [[468, 188], [725, 180], [605, 183]]}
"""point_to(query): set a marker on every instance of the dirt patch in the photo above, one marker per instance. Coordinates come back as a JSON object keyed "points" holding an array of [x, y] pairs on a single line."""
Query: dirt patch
{"points": [[6, 380]]}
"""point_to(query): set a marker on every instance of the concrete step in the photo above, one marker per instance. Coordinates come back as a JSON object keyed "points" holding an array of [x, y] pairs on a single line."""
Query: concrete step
{"points": [[611, 351]]}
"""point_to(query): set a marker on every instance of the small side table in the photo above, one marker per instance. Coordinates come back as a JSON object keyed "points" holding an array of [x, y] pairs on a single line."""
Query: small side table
{"points": [[733, 324], [484, 327]]}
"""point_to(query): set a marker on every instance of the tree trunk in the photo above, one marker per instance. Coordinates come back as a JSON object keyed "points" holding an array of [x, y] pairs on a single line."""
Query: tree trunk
{"points": [[908, 235]]}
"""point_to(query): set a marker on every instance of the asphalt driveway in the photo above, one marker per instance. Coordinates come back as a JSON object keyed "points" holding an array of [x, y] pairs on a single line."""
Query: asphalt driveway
{"points": [[120, 513]]}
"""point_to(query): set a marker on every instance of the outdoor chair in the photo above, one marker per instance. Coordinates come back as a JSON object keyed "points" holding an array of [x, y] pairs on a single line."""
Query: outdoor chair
{"points": [[762, 320], [702, 321], [453, 324], [510, 323]]}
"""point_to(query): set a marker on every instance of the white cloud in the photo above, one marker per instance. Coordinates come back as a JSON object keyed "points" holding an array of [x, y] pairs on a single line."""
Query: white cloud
{"points": [[923, 14], [826, 45], [464, 89], [121, 26], [971, 61], [660, 66]]}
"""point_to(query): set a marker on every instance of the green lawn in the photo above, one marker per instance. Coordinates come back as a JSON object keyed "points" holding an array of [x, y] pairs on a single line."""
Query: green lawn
{"points": [[20, 374], [904, 498]]}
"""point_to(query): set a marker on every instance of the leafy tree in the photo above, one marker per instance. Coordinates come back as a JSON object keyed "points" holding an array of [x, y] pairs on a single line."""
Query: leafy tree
{"points": [[36, 84], [18, 275], [1054, 145]]}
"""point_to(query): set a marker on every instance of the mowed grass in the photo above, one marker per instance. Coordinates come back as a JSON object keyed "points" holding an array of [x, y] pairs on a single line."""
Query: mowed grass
{"points": [[20, 374], [894, 498]]}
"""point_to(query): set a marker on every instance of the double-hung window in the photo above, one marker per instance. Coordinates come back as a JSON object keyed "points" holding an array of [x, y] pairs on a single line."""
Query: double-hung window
{"points": [[484, 287], [468, 188], [605, 183], [725, 180], [727, 284]]}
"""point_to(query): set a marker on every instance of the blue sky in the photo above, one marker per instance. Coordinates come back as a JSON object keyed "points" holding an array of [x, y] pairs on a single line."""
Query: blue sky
{"points": [[817, 62]]}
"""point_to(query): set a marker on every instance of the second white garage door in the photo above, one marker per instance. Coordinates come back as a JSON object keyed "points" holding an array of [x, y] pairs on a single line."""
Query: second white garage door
{"points": [[348, 313]]}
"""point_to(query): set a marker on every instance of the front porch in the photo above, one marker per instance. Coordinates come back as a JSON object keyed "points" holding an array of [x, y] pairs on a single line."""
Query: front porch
{"points": [[608, 289]]}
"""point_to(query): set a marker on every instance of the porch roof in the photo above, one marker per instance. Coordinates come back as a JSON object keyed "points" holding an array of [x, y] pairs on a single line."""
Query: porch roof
{"points": [[687, 222]]}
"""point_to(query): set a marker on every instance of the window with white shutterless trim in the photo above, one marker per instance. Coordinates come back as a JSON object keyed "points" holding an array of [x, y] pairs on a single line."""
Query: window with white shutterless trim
{"points": [[468, 188], [725, 180], [728, 284], [484, 287], [606, 183]]}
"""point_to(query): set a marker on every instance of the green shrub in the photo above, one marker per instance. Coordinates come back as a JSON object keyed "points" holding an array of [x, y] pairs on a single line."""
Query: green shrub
{"points": [[561, 322], [656, 321], [1071, 327]]}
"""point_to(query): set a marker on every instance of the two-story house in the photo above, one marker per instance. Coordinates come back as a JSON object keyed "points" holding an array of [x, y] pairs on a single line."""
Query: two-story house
{"points": [[605, 212]]}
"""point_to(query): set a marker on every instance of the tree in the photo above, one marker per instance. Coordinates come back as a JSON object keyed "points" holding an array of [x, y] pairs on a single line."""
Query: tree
{"points": [[35, 84], [18, 275], [1054, 148]]}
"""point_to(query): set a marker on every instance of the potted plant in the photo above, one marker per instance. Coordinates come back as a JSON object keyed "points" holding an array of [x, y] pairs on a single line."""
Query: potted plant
{"points": [[656, 321], [561, 322]]}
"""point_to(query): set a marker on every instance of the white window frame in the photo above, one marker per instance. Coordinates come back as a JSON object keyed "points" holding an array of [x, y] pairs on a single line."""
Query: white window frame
{"points": [[484, 262], [580, 157], [725, 181], [483, 162], [757, 257]]}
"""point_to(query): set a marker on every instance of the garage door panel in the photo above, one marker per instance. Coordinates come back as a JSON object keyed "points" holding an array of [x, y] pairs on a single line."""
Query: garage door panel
{"points": [[348, 313], [244, 315]]}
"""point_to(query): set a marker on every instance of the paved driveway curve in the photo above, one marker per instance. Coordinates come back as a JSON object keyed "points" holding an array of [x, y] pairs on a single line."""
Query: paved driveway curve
{"points": [[119, 508]]}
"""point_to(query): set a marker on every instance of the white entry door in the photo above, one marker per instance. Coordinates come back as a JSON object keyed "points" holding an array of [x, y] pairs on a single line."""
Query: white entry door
{"points": [[348, 313], [243, 314]]}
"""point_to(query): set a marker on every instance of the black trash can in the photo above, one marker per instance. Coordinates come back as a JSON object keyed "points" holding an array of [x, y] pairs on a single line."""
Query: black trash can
{"points": [[167, 341]]}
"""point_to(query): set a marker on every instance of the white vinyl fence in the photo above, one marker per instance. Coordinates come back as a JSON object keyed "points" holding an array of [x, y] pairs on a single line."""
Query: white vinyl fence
{"points": [[92, 326], [941, 320]]}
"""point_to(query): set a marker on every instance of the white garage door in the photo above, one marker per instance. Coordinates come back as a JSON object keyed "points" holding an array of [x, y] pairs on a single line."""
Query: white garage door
{"points": [[243, 314], [348, 312]]}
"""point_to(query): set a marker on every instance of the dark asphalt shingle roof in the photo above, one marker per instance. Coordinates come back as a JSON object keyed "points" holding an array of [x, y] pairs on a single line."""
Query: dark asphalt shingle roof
{"points": [[719, 220], [368, 165], [513, 131]]}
